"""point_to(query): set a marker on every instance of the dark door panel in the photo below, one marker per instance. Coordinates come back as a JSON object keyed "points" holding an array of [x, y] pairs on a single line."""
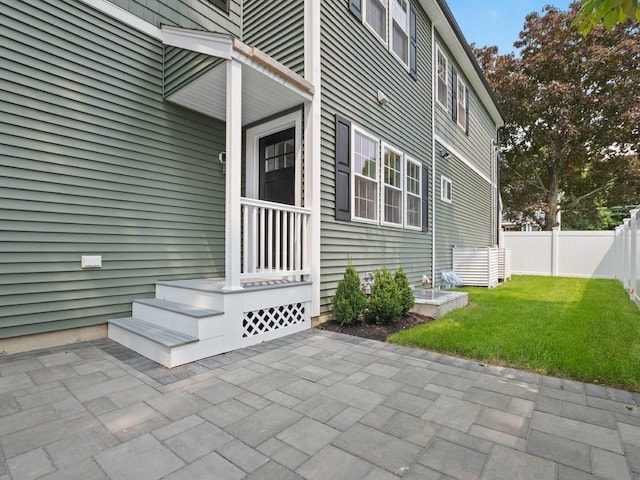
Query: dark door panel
{"points": [[277, 164]]}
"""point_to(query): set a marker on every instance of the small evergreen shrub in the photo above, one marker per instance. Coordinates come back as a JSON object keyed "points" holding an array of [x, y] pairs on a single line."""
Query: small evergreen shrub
{"points": [[407, 299], [349, 301], [384, 304]]}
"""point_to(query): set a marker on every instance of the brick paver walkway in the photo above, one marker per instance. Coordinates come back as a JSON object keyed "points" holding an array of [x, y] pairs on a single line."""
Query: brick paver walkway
{"points": [[315, 405]]}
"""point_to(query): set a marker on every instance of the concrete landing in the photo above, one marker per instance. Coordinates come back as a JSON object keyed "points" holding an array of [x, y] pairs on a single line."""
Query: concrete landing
{"points": [[437, 303]]}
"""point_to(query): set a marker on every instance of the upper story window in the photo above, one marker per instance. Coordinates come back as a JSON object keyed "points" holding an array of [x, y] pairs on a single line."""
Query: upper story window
{"points": [[221, 4], [395, 23], [462, 99], [400, 29], [375, 15], [442, 66]]}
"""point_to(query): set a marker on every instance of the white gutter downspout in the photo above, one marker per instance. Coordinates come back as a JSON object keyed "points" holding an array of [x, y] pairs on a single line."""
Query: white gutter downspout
{"points": [[312, 145], [433, 157]]}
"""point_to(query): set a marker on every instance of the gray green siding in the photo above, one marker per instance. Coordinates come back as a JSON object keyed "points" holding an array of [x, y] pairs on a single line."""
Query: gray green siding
{"points": [[276, 28], [355, 64], [94, 162], [191, 14], [482, 130], [466, 221]]}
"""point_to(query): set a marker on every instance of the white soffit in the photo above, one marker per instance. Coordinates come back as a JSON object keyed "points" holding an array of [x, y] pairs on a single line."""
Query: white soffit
{"points": [[268, 87], [261, 96]]}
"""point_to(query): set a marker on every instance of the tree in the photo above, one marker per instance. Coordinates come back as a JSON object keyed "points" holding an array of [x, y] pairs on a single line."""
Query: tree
{"points": [[572, 113], [609, 12]]}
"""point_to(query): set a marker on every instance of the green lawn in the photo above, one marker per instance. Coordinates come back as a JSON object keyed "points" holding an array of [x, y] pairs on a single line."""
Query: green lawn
{"points": [[583, 329]]}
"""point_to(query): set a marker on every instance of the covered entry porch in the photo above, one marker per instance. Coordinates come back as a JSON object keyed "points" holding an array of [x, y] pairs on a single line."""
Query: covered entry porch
{"points": [[266, 291]]}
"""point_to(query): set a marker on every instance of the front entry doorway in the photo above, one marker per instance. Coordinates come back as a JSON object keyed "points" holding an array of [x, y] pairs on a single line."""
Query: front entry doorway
{"points": [[277, 167]]}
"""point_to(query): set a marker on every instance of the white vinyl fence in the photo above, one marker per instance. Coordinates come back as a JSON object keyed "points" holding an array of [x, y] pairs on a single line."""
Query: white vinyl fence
{"points": [[592, 254], [628, 255]]}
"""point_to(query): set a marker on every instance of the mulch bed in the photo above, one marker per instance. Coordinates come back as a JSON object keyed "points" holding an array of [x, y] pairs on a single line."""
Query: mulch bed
{"points": [[376, 332]]}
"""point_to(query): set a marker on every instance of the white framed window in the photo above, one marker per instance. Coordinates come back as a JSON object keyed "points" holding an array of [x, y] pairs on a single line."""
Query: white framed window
{"points": [[364, 161], [462, 104], [399, 28], [392, 173], [442, 73], [386, 186], [413, 194], [446, 189], [375, 17]]}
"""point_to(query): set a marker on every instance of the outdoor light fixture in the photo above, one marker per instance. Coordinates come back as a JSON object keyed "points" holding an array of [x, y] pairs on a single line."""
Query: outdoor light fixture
{"points": [[382, 98], [445, 155], [222, 158]]}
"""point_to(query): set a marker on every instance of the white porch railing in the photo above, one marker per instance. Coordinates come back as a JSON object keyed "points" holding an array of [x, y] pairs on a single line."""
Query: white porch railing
{"points": [[274, 239], [627, 243]]}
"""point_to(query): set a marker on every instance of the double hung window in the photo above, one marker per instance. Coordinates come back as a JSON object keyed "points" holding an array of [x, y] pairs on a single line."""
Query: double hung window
{"points": [[413, 194], [442, 65], [392, 187], [400, 30], [365, 176]]}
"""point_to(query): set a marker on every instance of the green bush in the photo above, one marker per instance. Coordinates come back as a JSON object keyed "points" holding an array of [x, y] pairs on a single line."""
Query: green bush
{"points": [[407, 299], [384, 304], [349, 301]]}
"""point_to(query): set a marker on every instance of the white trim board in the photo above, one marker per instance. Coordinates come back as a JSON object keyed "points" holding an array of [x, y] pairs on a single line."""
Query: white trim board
{"points": [[461, 157]]}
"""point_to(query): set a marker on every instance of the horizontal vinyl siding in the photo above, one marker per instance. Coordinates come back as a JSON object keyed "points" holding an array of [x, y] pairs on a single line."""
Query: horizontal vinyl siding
{"points": [[466, 222], [93, 162], [191, 14], [476, 146], [350, 80], [276, 28]]}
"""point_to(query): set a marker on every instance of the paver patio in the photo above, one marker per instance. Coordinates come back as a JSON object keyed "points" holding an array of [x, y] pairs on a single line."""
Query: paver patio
{"points": [[315, 405]]}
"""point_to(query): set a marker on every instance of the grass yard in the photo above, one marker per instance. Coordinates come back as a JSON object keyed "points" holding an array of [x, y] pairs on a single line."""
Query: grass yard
{"points": [[583, 329]]}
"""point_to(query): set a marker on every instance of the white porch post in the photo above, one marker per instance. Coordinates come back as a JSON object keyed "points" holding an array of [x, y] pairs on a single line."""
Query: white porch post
{"points": [[312, 140], [233, 176]]}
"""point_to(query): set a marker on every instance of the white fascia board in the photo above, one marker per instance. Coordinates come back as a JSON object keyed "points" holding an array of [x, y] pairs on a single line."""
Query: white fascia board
{"points": [[208, 43], [273, 76], [462, 158], [125, 17]]}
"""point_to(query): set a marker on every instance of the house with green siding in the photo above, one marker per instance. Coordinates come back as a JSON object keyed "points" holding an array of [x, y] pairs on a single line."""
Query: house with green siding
{"points": [[191, 176]]}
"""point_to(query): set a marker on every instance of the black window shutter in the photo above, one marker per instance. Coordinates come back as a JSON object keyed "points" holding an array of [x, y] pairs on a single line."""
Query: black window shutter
{"points": [[454, 95], [356, 8], [466, 111], [425, 199], [343, 168], [413, 44]]}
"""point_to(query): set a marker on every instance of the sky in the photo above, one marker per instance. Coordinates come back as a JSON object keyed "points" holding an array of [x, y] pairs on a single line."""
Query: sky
{"points": [[496, 22]]}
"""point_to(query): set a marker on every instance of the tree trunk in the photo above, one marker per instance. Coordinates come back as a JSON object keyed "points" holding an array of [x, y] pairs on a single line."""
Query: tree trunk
{"points": [[553, 193]]}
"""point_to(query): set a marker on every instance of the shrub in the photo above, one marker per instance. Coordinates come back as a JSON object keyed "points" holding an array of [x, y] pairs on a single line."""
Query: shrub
{"points": [[407, 299], [384, 304], [349, 301]]}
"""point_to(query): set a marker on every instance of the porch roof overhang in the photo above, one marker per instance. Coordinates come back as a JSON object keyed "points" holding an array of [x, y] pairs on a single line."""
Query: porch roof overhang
{"points": [[268, 87]]}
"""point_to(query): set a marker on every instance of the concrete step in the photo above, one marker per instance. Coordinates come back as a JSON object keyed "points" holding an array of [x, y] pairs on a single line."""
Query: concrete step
{"points": [[187, 319]]}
